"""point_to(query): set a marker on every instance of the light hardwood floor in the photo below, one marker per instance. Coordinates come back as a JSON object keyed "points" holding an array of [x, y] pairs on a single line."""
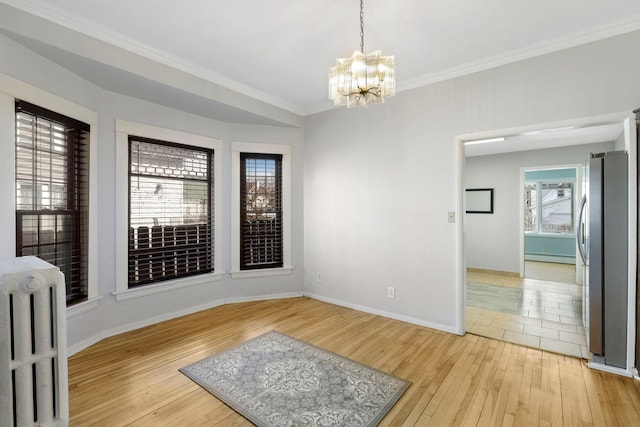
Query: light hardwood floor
{"points": [[133, 379]]}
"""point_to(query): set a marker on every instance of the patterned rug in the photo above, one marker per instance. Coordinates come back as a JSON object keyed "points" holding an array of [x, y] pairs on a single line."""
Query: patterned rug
{"points": [[276, 380]]}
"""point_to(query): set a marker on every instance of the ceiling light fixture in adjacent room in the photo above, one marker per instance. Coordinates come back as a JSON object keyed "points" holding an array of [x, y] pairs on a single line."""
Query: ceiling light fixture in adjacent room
{"points": [[484, 141], [362, 79]]}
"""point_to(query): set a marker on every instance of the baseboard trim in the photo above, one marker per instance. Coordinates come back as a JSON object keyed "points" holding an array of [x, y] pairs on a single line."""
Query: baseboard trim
{"points": [[387, 314], [557, 259], [263, 297], [85, 343], [77, 347], [495, 272], [610, 369]]}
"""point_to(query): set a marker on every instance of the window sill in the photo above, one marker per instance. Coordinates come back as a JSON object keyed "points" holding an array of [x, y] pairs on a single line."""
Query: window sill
{"points": [[170, 285], [266, 272], [83, 307]]}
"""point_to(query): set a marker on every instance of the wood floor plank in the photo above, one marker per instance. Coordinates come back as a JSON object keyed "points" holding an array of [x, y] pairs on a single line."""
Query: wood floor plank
{"points": [[480, 393], [475, 394], [551, 404], [595, 404], [580, 390], [494, 385], [515, 374], [440, 371], [133, 380], [460, 384], [534, 358], [505, 388], [418, 369], [626, 405], [528, 399]]}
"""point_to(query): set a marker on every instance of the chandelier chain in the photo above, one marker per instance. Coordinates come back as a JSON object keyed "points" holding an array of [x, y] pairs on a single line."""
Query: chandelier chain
{"points": [[362, 26]]}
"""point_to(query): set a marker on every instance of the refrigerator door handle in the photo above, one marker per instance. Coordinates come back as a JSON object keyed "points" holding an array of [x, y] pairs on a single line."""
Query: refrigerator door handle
{"points": [[580, 235]]}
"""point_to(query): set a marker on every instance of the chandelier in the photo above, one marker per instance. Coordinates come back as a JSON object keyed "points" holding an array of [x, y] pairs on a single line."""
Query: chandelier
{"points": [[362, 79]]}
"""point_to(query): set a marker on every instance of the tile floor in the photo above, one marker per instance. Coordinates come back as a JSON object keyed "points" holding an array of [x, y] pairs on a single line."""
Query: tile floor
{"points": [[531, 312]]}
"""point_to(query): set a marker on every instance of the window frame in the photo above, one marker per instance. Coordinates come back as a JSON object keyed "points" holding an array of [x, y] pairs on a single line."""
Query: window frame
{"points": [[209, 183], [76, 207], [538, 184], [124, 129], [10, 90], [237, 148], [277, 158]]}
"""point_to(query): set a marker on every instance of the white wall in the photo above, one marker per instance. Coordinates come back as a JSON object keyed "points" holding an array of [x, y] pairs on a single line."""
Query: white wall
{"points": [[109, 316], [379, 182], [619, 144], [493, 241]]}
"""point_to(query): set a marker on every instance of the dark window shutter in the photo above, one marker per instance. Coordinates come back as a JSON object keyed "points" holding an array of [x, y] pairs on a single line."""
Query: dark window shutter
{"points": [[260, 211], [52, 192], [170, 211]]}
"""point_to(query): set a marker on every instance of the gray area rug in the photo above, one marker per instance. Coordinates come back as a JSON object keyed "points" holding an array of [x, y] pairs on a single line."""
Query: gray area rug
{"points": [[276, 380]]}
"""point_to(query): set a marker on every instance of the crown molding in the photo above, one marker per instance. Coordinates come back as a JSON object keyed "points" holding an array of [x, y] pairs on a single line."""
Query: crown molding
{"points": [[106, 35], [593, 34]]}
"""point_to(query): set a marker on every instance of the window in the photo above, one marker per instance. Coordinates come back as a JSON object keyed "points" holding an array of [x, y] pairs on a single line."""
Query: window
{"points": [[260, 211], [530, 207], [170, 211], [549, 207], [52, 193]]}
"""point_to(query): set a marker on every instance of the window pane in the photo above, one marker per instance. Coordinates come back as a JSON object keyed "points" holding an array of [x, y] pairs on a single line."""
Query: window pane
{"points": [[530, 204], [52, 192], [557, 207], [260, 211], [41, 163]]}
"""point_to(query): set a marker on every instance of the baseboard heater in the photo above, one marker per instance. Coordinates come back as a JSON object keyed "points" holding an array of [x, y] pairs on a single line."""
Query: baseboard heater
{"points": [[33, 344]]}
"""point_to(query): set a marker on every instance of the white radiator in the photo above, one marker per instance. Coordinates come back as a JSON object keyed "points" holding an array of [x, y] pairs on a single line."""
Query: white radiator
{"points": [[33, 344]]}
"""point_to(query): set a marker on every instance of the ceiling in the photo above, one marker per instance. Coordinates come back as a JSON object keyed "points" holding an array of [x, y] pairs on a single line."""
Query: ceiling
{"points": [[546, 138], [278, 52]]}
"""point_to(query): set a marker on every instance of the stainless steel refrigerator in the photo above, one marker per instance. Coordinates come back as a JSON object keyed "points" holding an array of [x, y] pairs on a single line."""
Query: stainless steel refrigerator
{"points": [[603, 244]]}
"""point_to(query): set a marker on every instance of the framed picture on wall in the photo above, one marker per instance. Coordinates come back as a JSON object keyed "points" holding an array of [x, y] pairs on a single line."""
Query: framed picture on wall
{"points": [[479, 200]]}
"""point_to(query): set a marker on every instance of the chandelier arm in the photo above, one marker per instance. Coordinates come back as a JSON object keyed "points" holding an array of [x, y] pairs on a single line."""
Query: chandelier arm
{"points": [[373, 91]]}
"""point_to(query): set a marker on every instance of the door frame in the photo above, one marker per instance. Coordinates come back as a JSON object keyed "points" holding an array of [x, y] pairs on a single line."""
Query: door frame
{"points": [[625, 117]]}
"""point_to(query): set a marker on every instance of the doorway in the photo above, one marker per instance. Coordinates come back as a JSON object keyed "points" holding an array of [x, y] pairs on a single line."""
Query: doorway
{"points": [[537, 304]]}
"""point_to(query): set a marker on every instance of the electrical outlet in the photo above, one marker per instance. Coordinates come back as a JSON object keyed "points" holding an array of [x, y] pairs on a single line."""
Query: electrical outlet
{"points": [[319, 277], [391, 292]]}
